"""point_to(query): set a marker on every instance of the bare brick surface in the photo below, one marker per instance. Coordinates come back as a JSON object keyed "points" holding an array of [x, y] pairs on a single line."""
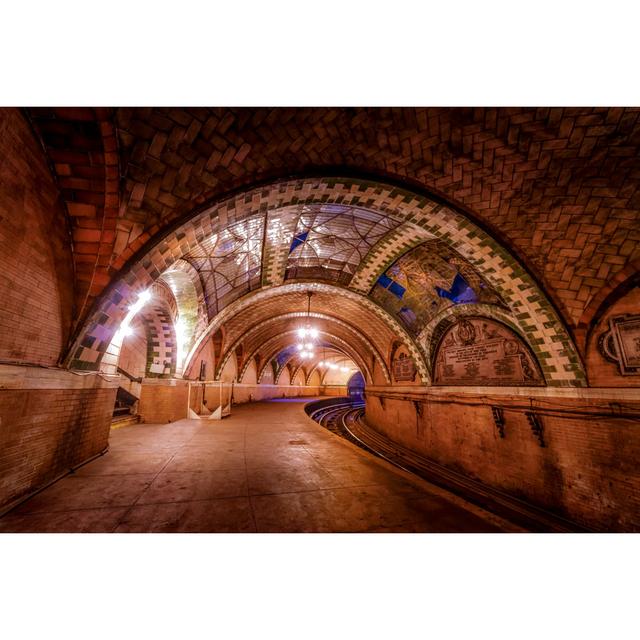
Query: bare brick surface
{"points": [[558, 184], [46, 429], [36, 276], [587, 471]]}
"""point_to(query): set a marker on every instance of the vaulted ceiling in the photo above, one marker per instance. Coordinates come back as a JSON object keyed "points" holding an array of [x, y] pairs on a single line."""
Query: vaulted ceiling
{"points": [[557, 188]]}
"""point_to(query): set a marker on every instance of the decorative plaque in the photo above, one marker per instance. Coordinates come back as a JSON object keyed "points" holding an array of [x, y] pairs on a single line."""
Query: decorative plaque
{"points": [[404, 370], [621, 344], [482, 352]]}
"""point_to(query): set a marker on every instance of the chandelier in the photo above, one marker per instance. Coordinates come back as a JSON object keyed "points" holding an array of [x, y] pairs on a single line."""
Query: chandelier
{"points": [[307, 334]]}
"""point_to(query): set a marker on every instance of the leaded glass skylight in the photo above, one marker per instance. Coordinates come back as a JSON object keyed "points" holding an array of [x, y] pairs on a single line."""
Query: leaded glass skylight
{"points": [[229, 262], [330, 241]]}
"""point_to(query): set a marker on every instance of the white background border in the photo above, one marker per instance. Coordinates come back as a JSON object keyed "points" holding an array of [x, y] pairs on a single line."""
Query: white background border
{"points": [[330, 53]]}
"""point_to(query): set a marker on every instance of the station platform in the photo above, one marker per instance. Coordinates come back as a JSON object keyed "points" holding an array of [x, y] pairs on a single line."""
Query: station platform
{"points": [[266, 468]]}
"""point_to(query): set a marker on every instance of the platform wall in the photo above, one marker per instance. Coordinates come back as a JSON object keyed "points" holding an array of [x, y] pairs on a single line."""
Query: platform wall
{"points": [[163, 401], [50, 421], [587, 471]]}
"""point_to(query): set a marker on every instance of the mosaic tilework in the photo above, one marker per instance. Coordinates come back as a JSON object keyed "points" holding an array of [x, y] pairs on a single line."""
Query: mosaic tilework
{"points": [[229, 262], [427, 279], [331, 241], [560, 185], [395, 243], [535, 316], [186, 287]]}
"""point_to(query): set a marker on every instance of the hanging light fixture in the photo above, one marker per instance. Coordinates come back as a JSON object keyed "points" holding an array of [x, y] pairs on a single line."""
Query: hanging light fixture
{"points": [[323, 363], [307, 334]]}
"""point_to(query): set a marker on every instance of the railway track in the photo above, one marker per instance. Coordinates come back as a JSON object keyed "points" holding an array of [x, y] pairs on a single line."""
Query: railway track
{"points": [[345, 418], [335, 418]]}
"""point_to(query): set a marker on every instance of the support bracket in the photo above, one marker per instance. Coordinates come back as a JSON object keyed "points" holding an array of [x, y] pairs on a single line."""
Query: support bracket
{"points": [[536, 426], [498, 419]]}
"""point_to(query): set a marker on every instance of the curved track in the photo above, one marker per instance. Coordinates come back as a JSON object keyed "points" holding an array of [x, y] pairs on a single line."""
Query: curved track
{"points": [[345, 418]]}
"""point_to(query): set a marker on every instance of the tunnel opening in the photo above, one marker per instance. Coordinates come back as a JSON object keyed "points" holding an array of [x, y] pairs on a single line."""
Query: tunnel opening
{"points": [[355, 387]]}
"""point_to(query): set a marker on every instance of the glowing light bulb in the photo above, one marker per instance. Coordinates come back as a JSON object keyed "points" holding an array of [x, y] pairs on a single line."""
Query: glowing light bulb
{"points": [[302, 332], [344, 369], [309, 346], [300, 347], [313, 333]]}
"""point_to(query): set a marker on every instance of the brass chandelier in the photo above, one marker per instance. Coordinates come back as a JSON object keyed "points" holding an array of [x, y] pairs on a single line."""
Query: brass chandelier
{"points": [[307, 334]]}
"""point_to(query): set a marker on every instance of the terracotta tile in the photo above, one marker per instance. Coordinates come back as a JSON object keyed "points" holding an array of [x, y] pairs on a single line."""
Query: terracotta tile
{"points": [[126, 462], [80, 521], [230, 515], [288, 479], [189, 486], [74, 492]]}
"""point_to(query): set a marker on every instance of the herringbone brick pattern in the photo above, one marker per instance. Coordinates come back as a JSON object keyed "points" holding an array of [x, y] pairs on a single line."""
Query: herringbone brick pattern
{"points": [[558, 185], [83, 150]]}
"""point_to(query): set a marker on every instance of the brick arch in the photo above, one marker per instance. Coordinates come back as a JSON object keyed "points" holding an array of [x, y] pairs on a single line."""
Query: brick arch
{"points": [[330, 319], [368, 307], [535, 314], [269, 362], [298, 368], [287, 365], [315, 366], [186, 287], [614, 289], [344, 346], [281, 369], [161, 339], [430, 336], [535, 176]]}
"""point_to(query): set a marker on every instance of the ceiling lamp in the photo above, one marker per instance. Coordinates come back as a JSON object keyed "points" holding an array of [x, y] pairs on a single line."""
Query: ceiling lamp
{"points": [[125, 328], [307, 334]]}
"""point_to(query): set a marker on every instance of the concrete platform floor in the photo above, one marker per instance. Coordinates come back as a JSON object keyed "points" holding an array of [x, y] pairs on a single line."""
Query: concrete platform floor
{"points": [[266, 468]]}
